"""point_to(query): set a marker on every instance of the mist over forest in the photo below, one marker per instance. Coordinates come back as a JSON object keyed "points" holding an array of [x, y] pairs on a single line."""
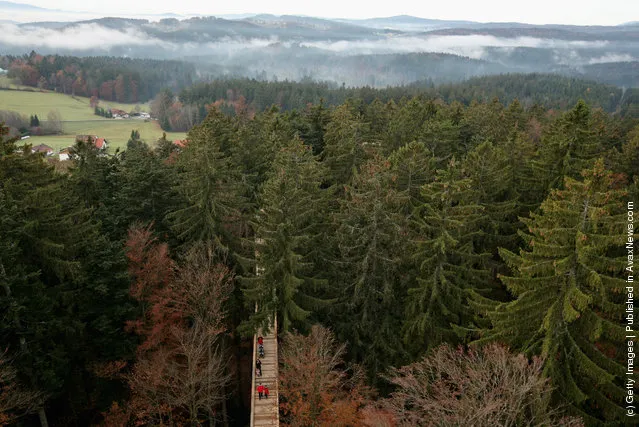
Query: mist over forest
{"points": [[375, 52], [393, 221]]}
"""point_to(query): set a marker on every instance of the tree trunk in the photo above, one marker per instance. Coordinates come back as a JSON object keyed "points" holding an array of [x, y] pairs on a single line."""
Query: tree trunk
{"points": [[224, 413], [43, 417]]}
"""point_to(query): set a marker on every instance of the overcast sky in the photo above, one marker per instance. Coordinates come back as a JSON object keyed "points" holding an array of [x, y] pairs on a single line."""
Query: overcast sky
{"points": [[580, 12]]}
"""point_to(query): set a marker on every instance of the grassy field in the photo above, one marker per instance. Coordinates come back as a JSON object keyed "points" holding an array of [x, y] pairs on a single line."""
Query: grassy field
{"points": [[78, 118], [70, 108], [41, 103], [116, 132]]}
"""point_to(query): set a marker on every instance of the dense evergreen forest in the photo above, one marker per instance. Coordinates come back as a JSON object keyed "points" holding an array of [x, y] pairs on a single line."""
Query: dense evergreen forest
{"points": [[388, 232], [109, 78], [231, 95]]}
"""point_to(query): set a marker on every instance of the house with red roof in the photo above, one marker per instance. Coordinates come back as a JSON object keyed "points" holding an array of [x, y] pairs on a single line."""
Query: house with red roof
{"points": [[100, 143], [180, 143]]}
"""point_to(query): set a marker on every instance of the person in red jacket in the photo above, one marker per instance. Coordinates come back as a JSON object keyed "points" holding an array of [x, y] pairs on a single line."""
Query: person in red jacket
{"points": [[260, 390], [266, 391], [260, 340]]}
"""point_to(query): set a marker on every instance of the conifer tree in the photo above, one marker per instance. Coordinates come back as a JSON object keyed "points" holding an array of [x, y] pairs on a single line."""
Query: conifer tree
{"points": [[94, 178], [146, 191], [483, 121], [164, 148], [521, 154], [449, 265], [254, 146], [413, 166], [378, 115], [63, 281], [371, 280], [515, 116], [628, 160], [570, 146], [317, 117], [406, 123], [442, 137], [489, 169], [209, 182], [568, 285], [287, 225], [344, 145]]}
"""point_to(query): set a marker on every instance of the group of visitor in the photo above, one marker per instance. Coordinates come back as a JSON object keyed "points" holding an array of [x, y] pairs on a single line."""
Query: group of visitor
{"points": [[262, 390]]}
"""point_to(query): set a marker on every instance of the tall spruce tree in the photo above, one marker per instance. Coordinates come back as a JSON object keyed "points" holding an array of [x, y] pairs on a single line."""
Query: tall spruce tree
{"points": [[449, 264], [442, 137], [570, 146], [254, 146], [521, 153], [413, 166], [371, 281], [146, 191], [568, 285], [344, 145], [406, 122], [287, 225], [317, 117], [210, 183], [489, 169]]}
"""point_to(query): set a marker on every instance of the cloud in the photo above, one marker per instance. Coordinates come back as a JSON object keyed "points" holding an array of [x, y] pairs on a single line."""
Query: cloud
{"points": [[78, 37], [92, 36], [472, 46], [231, 47], [612, 57], [238, 51]]}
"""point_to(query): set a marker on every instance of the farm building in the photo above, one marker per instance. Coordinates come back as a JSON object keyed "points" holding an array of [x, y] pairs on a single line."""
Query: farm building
{"points": [[42, 148]]}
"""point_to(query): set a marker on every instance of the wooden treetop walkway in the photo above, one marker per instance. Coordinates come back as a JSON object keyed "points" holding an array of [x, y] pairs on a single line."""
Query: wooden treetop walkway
{"points": [[265, 411]]}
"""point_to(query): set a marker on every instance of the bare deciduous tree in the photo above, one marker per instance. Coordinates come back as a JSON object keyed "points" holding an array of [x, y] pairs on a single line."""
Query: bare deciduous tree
{"points": [[54, 122], [317, 390], [190, 377], [183, 376], [482, 387]]}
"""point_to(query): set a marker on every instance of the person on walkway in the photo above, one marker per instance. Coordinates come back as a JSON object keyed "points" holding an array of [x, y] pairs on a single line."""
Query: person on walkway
{"points": [[260, 350], [258, 368], [260, 340], [266, 392], [260, 390]]}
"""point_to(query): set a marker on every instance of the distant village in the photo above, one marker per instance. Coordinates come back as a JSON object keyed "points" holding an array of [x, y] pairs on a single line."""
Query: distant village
{"points": [[121, 114], [66, 153], [100, 143]]}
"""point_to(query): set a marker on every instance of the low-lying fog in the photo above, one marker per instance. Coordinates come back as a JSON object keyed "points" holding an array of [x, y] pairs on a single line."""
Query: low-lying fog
{"points": [[378, 58]]}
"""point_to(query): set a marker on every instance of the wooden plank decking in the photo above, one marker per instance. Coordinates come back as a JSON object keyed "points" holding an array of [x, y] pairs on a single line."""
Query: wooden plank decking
{"points": [[265, 412]]}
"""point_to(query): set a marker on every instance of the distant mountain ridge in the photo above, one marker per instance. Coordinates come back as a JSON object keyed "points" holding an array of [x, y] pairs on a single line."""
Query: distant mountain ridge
{"points": [[376, 51], [21, 6]]}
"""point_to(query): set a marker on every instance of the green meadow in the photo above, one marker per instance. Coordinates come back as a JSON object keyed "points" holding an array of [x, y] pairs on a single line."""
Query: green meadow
{"points": [[70, 107], [116, 132], [78, 118]]}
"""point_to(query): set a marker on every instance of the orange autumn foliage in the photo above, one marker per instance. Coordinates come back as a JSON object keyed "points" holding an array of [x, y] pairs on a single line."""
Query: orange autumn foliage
{"points": [[317, 389], [182, 367]]}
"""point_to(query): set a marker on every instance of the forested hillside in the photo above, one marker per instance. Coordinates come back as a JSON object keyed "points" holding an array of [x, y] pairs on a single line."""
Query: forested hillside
{"points": [[231, 95], [129, 286], [375, 52], [108, 78]]}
